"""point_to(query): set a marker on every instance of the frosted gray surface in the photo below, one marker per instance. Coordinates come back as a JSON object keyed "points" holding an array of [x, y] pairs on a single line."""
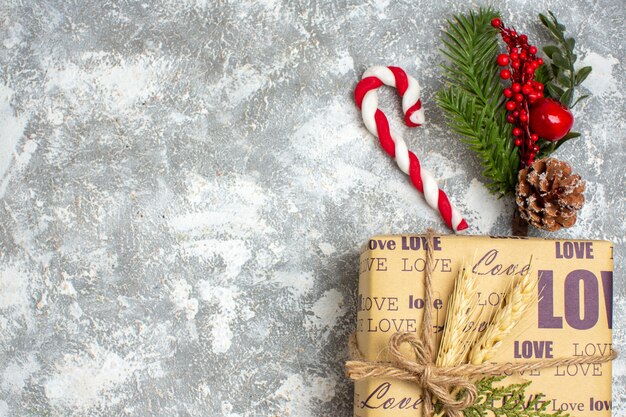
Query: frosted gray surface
{"points": [[184, 186]]}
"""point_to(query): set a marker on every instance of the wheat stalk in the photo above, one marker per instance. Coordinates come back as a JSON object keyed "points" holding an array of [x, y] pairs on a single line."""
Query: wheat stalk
{"points": [[519, 297], [456, 340]]}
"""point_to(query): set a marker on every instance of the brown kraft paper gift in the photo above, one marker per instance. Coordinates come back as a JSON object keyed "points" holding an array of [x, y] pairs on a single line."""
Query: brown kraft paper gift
{"points": [[572, 318]]}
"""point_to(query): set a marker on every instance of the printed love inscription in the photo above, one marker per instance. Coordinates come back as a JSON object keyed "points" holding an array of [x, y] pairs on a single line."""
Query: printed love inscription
{"points": [[571, 250], [538, 349], [580, 303]]}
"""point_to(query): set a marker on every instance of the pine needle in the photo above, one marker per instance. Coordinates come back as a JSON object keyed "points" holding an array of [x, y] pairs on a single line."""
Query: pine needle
{"points": [[472, 100]]}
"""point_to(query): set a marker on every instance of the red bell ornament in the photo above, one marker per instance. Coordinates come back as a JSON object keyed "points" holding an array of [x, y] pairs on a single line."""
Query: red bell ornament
{"points": [[550, 119]]}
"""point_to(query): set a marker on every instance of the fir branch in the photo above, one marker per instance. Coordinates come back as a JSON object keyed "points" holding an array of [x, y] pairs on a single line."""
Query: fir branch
{"points": [[472, 100], [508, 401]]}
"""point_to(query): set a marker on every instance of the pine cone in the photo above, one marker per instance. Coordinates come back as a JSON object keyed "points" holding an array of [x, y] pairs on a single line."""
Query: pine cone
{"points": [[548, 194]]}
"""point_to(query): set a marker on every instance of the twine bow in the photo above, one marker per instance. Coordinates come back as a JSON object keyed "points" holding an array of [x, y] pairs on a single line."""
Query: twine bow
{"points": [[441, 384]]}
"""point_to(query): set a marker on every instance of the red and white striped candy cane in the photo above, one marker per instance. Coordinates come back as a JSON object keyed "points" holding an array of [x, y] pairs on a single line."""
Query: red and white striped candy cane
{"points": [[376, 122]]}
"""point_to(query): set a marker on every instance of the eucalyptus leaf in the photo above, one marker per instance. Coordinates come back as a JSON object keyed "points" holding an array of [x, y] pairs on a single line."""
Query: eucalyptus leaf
{"points": [[566, 98], [559, 60], [571, 135], [550, 50], [554, 91], [582, 74], [555, 69], [562, 78], [552, 16], [545, 144], [546, 148], [570, 42], [580, 99], [546, 22]]}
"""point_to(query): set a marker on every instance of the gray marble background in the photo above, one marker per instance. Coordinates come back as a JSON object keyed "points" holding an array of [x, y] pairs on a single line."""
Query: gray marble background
{"points": [[184, 186]]}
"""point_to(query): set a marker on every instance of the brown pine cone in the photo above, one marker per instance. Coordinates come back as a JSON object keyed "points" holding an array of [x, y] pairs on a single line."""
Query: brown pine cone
{"points": [[548, 194]]}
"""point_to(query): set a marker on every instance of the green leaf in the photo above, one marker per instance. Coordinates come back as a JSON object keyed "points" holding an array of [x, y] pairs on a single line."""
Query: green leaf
{"points": [[582, 74], [559, 60], [566, 97], [554, 69], [546, 22], [562, 78], [550, 50], [554, 91], [562, 66], [571, 135], [579, 99], [546, 148]]}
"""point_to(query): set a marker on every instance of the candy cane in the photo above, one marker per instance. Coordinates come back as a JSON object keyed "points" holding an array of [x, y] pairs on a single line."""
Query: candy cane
{"points": [[366, 96]]}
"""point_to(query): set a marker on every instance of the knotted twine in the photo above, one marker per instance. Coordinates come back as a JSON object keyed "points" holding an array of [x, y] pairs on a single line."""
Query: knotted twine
{"points": [[441, 384]]}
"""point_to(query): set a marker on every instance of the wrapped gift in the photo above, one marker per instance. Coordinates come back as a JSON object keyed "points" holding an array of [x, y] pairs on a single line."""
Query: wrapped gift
{"points": [[572, 316]]}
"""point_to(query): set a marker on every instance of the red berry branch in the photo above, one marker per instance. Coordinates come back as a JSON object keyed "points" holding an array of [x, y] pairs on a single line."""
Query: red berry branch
{"points": [[547, 194], [524, 90]]}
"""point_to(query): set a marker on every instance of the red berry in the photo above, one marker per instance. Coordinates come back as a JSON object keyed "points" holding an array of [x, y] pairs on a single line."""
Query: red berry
{"points": [[516, 87], [534, 148], [505, 74], [523, 39], [516, 113], [523, 56], [532, 50], [510, 118], [534, 138], [519, 97], [539, 94], [532, 97], [526, 89], [540, 60], [515, 64], [510, 105], [517, 131], [539, 87], [496, 23], [503, 60], [529, 70], [550, 119], [507, 93], [514, 55], [523, 117], [518, 142]]}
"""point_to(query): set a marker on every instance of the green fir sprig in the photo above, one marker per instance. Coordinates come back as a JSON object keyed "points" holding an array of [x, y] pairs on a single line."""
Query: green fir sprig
{"points": [[472, 99], [508, 401]]}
